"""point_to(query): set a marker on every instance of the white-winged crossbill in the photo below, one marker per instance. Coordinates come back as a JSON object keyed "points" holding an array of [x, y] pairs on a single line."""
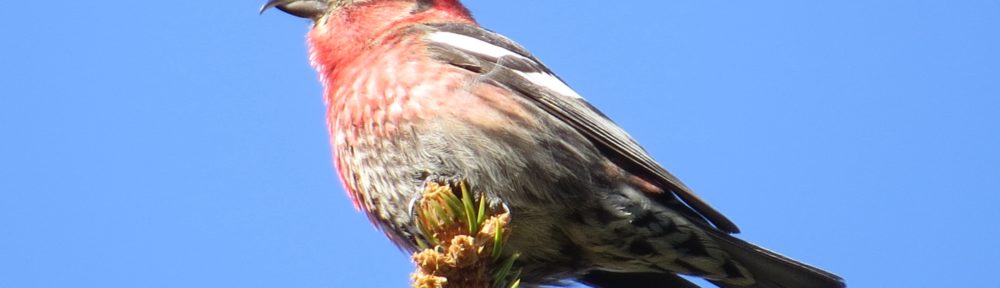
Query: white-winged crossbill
{"points": [[418, 92]]}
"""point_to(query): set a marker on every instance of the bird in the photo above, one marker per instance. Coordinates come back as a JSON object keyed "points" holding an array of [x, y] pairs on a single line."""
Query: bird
{"points": [[418, 92]]}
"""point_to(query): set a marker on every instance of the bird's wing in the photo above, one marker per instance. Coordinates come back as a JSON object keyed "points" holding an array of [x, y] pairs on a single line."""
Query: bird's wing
{"points": [[507, 63]]}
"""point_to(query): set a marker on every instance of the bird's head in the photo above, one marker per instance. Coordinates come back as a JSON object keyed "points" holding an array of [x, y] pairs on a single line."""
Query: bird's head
{"points": [[340, 25], [318, 9], [344, 29]]}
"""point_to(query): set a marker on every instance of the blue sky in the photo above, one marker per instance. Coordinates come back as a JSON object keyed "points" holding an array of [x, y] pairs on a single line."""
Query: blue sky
{"points": [[182, 143]]}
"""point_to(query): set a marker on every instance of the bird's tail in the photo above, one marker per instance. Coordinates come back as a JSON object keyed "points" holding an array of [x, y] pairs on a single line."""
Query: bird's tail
{"points": [[772, 270]]}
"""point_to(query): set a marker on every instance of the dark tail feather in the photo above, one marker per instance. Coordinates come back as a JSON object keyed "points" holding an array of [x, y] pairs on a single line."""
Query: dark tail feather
{"points": [[772, 270], [769, 269], [605, 279]]}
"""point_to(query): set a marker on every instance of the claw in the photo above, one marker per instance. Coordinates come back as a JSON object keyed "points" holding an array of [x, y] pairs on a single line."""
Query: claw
{"points": [[411, 209]]}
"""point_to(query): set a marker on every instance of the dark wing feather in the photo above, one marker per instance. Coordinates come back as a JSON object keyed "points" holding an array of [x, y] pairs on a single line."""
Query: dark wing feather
{"points": [[605, 279], [505, 62]]}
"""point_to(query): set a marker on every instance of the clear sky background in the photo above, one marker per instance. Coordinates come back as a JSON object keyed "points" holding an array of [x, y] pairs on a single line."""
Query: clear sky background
{"points": [[183, 144]]}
